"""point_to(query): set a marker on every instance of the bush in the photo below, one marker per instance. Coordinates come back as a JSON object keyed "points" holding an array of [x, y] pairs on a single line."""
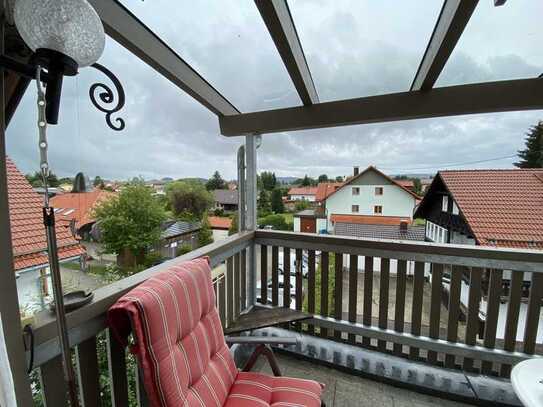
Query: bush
{"points": [[152, 259], [278, 222], [318, 284], [183, 249], [301, 205], [218, 212]]}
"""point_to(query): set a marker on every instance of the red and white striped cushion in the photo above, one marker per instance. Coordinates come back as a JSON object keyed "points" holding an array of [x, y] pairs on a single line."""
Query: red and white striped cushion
{"points": [[181, 349]]}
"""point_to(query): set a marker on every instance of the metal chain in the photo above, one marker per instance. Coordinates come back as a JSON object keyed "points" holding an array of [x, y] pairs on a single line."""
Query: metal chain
{"points": [[42, 131]]}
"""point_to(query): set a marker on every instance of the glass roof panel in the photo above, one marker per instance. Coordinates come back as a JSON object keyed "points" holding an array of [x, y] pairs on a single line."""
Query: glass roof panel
{"points": [[362, 47], [499, 43], [227, 42]]}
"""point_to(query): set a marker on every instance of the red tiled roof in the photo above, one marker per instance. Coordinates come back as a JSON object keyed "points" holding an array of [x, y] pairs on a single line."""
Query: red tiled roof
{"points": [[325, 189], [369, 219], [302, 191], [26, 221], [502, 207], [406, 183], [218, 222], [78, 206]]}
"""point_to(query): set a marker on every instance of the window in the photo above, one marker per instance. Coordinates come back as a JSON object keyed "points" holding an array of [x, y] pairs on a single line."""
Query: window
{"points": [[444, 203], [356, 191], [378, 210], [354, 209], [378, 190], [455, 210]]}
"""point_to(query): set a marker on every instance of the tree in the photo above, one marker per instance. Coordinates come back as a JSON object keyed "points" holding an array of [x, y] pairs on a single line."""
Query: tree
{"points": [[216, 182], [188, 199], [264, 204], [36, 180], [234, 225], [98, 182], [532, 155], [323, 178], [277, 221], [277, 205], [417, 186], [205, 235], [306, 182], [268, 180], [130, 223], [339, 178]]}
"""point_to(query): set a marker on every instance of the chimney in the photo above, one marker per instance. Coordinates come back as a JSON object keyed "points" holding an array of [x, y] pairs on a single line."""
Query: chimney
{"points": [[403, 226], [356, 171]]}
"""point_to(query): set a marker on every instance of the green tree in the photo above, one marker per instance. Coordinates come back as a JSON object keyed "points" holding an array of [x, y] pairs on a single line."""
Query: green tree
{"points": [[268, 180], [306, 181], [417, 186], [278, 222], [188, 199], [339, 178], [216, 182], [205, 235], [301, 205], [98, 182], [264, 204], [234, 226], [323, 178], [532, 155], [277, 205], [36, 180], [331, 288], [130, 223]]}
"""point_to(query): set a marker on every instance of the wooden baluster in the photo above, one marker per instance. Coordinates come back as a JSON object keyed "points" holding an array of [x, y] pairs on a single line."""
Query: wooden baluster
{"points": [[384, 282], [299, 292], [311, 287], [416, 309], [473, 322], [53, 386], [222, 299], [275, 275], [229, 291], [532, 315], [399, 309], [237, 299], [264, 274], [368, 296], [88, 374], [338, 292], [435, 307], [353, 291], [117, 371], [454, 311], [513, 312], [324, 290], [286, 277], [243, 280], [141, 394], [492, 312]]}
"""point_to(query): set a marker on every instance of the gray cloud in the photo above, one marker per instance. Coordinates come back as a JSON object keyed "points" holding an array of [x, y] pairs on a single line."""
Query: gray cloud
{"points": [[353, 49]]}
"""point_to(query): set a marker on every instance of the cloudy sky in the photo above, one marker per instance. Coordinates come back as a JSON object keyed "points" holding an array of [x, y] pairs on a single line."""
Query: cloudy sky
{"points": [[354, 48]]}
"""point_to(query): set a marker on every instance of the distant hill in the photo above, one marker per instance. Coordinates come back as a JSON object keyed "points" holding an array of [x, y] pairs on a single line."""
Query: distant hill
{"points": [[286, 180], [202, 180]]}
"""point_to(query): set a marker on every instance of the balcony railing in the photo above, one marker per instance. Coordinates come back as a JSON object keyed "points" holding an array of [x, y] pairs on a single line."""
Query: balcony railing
{"points": [[409, 322]]}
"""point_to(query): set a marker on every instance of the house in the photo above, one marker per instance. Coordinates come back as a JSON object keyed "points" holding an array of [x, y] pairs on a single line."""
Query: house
{"points": [[485, 207], [176, 234], [220, 227], [369, 194], [302, 194], [76, 208], [325, 189], [29, 244], [226, 199], [499, 208]]}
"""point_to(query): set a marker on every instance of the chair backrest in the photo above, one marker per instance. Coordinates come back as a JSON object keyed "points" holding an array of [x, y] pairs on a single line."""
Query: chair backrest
{"points": [[179, 340]]}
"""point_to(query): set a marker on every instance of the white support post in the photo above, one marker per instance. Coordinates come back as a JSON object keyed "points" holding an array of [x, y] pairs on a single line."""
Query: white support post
{"points": [[13, 382], [250, 193]]}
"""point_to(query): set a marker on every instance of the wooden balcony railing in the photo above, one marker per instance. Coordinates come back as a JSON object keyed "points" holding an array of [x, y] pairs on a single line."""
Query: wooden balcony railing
{"points": [[410, 319], [418, 266]]}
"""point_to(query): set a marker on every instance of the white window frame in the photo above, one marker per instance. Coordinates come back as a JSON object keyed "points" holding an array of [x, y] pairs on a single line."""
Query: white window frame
{"points": [[375, 207], [444, 203], [382, 189], [356, 191], [357, 208], [455, 210]]}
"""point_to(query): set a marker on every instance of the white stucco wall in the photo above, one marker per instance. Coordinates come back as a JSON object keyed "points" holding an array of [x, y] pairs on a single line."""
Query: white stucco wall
{"points": [[394, 200], [219, 235], [29, 290], [296, 224], [321, 224], [310, 198]]}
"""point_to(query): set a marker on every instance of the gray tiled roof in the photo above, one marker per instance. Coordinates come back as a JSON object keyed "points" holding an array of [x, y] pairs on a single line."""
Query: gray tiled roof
{"points": [[179, 228], [379, 231], [226, 196]]}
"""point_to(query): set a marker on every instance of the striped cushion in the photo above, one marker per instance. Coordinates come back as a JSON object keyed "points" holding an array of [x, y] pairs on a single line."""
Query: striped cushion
{"points": [[181, 349], [256, 389]]}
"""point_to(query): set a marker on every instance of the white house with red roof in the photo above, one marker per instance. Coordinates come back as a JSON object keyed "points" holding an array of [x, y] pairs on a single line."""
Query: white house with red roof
{"points": [[29, 243], [302, 194]]}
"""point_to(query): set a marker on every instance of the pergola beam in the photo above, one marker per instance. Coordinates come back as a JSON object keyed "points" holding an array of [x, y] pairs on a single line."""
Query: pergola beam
{"points": [[121, 25], [503, 96], [453, 18], [277, 17]]}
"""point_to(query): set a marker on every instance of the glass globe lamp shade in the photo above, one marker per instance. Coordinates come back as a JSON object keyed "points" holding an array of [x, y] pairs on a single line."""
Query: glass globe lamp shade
{"points": [[69, 27]]}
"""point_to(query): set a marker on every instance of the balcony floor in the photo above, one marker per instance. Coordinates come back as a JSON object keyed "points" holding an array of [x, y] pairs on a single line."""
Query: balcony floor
{"points": [[344, 390]]}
